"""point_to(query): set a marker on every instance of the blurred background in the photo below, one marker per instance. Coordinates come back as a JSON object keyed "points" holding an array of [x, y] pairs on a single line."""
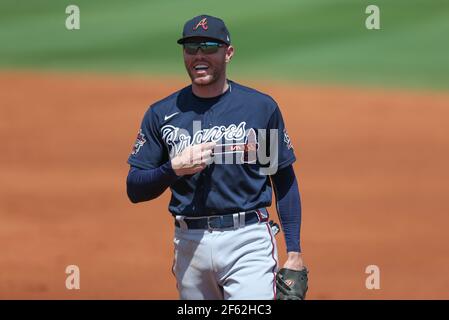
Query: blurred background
{"points": [[367, 111]]}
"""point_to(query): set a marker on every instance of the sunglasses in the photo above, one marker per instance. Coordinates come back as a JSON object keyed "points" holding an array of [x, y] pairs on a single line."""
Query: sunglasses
{"points": [[206, 47]]}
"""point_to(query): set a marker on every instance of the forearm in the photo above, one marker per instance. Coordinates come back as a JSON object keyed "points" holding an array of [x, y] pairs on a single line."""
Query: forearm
{"points": [[147, 184], [288, 204]]}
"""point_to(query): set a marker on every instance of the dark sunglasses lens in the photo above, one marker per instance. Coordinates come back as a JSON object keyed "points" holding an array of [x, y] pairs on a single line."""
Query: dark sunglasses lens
{"points": [[191, 48], [210, 48], [206, 48]]}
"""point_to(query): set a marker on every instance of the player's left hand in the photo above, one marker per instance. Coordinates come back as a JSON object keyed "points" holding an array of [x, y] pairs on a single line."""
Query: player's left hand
{"points": [[291, 284], [292, 280], [294, 261]]}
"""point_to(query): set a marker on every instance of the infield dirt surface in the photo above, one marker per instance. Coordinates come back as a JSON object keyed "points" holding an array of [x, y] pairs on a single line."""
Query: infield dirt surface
{"points": [[372, 171]]}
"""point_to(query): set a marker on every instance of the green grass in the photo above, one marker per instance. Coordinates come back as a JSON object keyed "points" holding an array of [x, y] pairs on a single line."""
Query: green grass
{"points": [[305, 40]]}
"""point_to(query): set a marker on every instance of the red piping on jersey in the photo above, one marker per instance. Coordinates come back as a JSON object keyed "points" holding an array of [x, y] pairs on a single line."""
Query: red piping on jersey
{"points": [[173, 267], [275, 261]]}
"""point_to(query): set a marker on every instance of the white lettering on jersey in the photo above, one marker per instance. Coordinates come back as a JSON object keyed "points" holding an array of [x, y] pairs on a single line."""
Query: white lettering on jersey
{"points": [[178, 139]]}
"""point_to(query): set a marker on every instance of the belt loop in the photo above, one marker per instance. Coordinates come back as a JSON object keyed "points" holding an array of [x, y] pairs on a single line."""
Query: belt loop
{"points": [[181, 222], [242, 219], [235, 217]]}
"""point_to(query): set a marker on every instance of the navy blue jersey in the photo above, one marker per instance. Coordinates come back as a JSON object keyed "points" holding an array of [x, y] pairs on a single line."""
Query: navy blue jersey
{"points": [[235, 181]]}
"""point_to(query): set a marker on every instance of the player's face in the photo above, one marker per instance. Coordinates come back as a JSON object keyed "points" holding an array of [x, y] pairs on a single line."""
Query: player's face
{"points": [[207, 66]]}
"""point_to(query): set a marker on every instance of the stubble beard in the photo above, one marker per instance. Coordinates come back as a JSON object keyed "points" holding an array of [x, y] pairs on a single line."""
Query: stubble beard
{"points": [[208, 79]]}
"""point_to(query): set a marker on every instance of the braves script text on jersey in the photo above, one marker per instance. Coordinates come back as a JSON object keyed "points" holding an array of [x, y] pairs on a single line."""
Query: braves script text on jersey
{"points": [[233, 121]]}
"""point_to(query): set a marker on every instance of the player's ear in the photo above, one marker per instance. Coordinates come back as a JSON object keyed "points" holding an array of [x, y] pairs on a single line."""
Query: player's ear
{"points": [[229, 53]]}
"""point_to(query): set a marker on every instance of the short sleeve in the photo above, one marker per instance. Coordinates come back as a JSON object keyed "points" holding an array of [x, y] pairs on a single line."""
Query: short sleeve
{"points": [[148, 151], [286, 155]]}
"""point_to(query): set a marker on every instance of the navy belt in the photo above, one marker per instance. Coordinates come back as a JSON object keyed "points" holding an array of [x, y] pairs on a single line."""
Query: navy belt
{"points": [[220, 222]]}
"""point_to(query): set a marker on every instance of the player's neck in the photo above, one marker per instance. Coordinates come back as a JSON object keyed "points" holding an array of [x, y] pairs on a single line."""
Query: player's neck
{"points": [[213, 90]]}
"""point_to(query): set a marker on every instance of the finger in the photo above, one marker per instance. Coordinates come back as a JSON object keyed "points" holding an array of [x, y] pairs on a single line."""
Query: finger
{"points": [[206, 154], [197, 160], [191, 150], [209, 161], [197, 147], [190, 154], [208, 145], [197, 156], [198, 168]]}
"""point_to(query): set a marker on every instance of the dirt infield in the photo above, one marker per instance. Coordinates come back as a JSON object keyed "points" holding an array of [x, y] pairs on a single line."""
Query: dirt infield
{"points": [[372, 168]]}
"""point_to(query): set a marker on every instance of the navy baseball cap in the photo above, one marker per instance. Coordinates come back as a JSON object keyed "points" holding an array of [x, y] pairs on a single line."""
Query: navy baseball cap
{"points": [[205, 26]]}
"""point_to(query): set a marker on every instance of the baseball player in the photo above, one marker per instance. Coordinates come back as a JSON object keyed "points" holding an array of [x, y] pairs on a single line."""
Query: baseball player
{"points": [[221, 147]]}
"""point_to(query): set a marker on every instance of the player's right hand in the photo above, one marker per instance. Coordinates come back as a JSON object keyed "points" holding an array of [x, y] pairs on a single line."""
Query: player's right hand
{"points": [[193, 159]]}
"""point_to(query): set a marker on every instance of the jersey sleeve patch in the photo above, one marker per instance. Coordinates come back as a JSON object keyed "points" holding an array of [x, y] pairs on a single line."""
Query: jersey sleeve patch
{"points": [[287, 140], [140, 141]]}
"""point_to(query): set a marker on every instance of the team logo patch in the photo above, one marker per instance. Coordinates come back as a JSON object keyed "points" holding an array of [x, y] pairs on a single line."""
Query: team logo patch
{"points": [[202, 23], [287, 140], [140, 141]]}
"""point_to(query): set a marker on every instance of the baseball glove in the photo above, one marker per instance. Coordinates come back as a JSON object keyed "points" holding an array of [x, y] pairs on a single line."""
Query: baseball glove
{"points": [[291, 284]]}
